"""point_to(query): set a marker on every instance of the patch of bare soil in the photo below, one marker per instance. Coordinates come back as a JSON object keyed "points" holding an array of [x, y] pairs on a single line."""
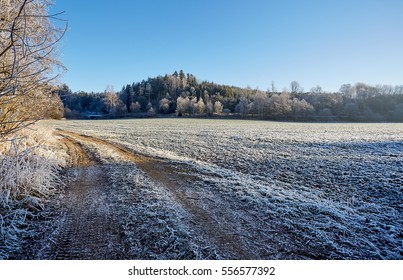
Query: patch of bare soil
{"points": [[83, 225], [204, 222], [89, 227], [78, 156]]}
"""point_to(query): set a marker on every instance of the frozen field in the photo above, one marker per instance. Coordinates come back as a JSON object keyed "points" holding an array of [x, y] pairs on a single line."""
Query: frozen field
{"points": [[287, 190]]}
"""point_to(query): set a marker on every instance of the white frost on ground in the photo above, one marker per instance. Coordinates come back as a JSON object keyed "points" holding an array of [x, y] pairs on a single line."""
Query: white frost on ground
{"points": [[154, 223], [29, 169], [337, 188]]}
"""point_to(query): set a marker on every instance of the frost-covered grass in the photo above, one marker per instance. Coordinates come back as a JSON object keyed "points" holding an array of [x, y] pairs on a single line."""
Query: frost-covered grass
{"points": [[152, 221], [28, 176], [336, 188]]}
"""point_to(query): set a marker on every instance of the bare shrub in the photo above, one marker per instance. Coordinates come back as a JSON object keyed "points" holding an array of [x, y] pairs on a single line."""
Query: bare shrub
{"points": [[28, 176]]}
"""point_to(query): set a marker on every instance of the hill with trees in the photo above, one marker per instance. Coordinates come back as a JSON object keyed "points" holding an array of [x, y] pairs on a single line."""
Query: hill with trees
{"points": [[184, 95]]}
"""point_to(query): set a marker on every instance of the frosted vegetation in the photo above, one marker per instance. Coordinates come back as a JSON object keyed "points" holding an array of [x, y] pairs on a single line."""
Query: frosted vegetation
{"points": [[334, 189], [29, 166]]}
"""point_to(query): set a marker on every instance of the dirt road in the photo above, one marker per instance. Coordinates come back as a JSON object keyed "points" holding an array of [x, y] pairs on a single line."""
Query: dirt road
{"points": [[86, 228], [93, 221], [89, 218], [119, 204]]}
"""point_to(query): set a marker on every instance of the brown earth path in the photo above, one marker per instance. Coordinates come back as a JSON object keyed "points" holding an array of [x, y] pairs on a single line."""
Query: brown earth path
{"points": [[91, 231]]}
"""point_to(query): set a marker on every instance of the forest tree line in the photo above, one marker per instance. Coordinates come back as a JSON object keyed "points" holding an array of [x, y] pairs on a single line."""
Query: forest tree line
{"points": [[185, 95]]}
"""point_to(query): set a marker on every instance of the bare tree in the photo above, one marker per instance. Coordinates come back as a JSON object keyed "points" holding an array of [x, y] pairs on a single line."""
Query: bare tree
{"points": [[243, 106], [164, 105], [149, 91], [135, 107], [28, 62], [346, 90], [112, 103], [260, 103], [193, 105], [300, 108], [273, 87], [296, 87], [209, 107], [280, 105], [218, 107], [317, 90], [182, 105], [201, 106], [111, 99]]}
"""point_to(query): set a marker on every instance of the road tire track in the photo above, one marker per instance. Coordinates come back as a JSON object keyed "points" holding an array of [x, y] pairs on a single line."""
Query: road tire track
{"points": [[89, 228], [228, 243]]}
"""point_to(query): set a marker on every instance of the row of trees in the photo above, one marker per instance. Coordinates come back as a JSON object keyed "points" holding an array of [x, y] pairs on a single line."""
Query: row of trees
{"points": [[184, 95], [28, 64]]}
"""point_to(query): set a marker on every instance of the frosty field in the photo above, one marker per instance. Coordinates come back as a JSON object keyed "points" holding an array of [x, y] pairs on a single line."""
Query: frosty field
{"points": [[234, 189]]}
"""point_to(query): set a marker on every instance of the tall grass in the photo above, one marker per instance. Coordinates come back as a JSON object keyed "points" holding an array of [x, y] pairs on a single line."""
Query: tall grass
{"points": [[29, 166]]}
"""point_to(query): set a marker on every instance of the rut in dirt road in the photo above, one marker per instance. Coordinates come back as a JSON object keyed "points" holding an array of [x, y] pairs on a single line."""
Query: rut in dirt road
{"points": [[159, 171], [88, 229]]}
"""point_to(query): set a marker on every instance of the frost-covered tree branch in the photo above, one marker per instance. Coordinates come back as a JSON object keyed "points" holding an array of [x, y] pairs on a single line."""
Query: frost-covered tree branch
{"points": [[28, 62]]}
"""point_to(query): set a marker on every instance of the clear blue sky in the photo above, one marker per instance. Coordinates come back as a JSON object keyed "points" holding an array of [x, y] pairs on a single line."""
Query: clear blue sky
{"points": [[242, 43]]}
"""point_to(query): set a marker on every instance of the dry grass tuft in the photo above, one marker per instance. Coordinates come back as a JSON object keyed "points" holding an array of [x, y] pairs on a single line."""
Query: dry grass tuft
{"points": [[29, 165]]}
